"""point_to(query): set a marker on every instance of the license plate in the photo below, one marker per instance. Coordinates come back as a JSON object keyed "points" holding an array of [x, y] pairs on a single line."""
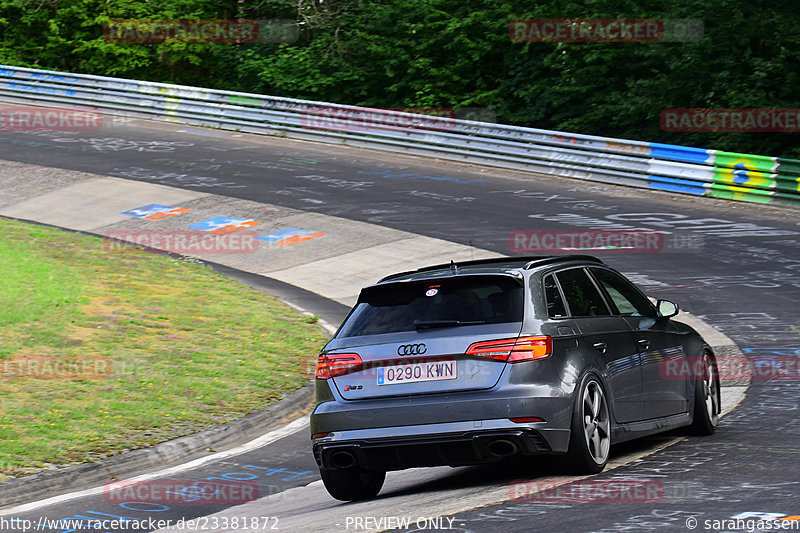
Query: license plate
{"points": [[415, 372]]}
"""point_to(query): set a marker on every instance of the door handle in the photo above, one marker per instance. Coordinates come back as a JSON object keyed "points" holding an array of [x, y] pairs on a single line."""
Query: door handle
{"points": [[644, 343], [600, 347]]}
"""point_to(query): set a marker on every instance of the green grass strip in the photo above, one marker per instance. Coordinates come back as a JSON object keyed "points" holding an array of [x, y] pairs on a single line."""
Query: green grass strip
{"points": [[106, 350]]}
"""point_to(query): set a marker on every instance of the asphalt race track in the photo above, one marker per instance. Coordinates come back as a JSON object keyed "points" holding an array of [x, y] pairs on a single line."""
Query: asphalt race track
{"points": [[736, 265]]}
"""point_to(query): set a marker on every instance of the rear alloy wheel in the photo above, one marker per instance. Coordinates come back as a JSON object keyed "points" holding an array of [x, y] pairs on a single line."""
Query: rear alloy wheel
{"points": [[590, 435], [707, 402], [353, 483]]}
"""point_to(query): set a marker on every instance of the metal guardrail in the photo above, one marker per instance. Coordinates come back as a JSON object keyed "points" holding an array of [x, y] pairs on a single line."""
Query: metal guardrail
{"points": [[682, 169]]}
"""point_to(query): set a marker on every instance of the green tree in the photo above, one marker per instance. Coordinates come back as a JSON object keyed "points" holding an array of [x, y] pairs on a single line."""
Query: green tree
{"points": [[441, 53]]}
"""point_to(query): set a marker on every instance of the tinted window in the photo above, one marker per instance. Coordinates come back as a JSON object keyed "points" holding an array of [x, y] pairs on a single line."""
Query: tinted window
{"points": [[627, 298], [582, 296], [555, 304], [401, 306]]}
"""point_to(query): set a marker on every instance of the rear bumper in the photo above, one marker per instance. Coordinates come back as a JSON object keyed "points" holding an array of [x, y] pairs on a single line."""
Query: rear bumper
{"points": [[436, 445], [456, 428], [548, 402]]}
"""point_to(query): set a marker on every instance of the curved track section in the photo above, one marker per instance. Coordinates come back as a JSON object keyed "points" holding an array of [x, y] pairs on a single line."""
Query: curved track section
{"points": [[733, 264]]}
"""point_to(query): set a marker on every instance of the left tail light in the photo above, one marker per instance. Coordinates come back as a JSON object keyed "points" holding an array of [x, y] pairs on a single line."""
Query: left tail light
{"points": [[514, 350], [334, 364]]}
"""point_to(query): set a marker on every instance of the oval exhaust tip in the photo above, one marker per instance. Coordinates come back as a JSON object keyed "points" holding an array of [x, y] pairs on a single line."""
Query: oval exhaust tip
{"points": [[343, 460], [501, 448]]}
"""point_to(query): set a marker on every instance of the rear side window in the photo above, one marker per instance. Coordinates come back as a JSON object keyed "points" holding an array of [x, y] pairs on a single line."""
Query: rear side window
{"points": [[582, 296], [555, 303], [407, 306], [628, 300]]}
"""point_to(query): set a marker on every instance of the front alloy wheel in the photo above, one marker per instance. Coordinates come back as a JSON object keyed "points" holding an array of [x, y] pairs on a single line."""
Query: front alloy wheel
{"points": [[706, 398]]}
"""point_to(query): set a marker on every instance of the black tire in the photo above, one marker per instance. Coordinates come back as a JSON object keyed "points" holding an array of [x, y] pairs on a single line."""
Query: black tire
{"points": [[590, 431], [707, 398], [353, 483]]}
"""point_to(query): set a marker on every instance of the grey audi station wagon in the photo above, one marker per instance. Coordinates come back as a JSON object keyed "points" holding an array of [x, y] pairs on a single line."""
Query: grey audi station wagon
{"points": [[475, 362]]}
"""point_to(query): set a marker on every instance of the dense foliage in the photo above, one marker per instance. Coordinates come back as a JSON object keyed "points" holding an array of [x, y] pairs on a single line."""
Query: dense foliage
{"points": [[451, 54]]}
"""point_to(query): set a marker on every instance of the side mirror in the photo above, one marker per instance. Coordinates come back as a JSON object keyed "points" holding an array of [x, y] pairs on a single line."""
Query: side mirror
{"points": [[667, 309]]}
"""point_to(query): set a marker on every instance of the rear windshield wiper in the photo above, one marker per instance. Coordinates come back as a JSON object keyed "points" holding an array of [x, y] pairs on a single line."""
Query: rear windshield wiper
{"points": [[429, 324]]}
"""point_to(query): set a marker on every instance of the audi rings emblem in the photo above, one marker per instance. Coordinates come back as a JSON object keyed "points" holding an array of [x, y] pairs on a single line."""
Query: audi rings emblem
{"points": [[411, 349]]}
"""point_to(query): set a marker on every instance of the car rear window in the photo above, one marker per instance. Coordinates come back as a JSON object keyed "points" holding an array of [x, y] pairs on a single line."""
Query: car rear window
{"points": [[406, 306]]}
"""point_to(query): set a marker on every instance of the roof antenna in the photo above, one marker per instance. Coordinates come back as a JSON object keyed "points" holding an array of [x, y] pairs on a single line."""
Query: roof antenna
{"points": [[453, 268]]}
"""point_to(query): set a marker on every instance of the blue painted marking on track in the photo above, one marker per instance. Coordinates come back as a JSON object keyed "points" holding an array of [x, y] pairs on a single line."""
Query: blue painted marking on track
{"points": [[149, 209], [285, 233], [190, 494], [219, 222]]}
